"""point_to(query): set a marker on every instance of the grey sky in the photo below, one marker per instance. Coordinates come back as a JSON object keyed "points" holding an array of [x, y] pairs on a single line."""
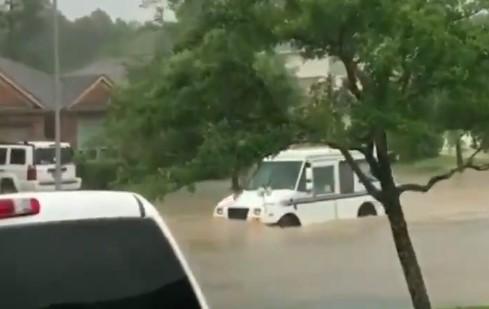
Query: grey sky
{"points": [[126, 9]]}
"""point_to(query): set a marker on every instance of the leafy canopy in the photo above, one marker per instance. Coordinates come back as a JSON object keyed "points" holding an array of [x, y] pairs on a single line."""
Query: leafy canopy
{"points": [[220, 103], [411, 65]]}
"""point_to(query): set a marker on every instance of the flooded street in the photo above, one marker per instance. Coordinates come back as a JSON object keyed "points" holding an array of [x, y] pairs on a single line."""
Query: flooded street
{"points": [[340, 264]]}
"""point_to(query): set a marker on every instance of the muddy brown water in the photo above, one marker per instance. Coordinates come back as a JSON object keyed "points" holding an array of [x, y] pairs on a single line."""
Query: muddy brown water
{"points": [[339, 264]]}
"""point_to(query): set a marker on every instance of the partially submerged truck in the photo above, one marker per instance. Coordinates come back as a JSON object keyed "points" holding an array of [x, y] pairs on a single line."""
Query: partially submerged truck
{"points": [[303, 186]]}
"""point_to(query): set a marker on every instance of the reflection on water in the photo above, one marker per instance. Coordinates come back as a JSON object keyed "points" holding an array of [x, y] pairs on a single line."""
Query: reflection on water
{"points": [[340, 264]]}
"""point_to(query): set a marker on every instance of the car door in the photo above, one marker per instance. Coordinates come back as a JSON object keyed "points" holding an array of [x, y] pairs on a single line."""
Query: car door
{"points": [[45, 159], [321, 206], [17, 164]]}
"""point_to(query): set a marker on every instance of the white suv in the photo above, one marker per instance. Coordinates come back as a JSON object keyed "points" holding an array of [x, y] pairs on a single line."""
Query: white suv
{"points": [[30, 166]]}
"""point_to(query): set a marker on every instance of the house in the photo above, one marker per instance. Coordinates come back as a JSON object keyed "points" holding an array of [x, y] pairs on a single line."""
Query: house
{"points": [[27, 104]]}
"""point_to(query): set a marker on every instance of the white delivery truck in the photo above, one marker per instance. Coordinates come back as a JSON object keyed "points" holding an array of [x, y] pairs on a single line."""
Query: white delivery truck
{"points": [[300, 187]]}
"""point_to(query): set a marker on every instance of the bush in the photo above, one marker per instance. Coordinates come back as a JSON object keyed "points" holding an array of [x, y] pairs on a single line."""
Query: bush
{"points": [[416, 146], [99, 174]]}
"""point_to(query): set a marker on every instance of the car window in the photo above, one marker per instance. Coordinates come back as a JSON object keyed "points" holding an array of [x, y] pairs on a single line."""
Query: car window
{"points": [[3, 156], [276, 175], [365, 167], [323, 180], [17, 156], [302, 181], [48, 155], [109, 263], [347, 178]]}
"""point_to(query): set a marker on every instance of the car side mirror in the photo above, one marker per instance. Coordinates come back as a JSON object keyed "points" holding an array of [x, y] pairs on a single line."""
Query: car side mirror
{"points": [[309, 179]]}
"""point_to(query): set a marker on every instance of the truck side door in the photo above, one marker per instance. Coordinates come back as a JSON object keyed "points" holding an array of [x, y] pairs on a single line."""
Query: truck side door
{"points": [[321, 206]]}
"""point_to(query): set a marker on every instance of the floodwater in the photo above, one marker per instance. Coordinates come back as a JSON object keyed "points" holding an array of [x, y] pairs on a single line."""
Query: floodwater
{"points": [[340, 264]]}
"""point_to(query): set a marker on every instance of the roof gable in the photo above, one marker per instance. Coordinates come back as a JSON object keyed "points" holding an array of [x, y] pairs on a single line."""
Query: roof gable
{"points": [[95, 95], [37, 87], [33, 84], [13, 98]]}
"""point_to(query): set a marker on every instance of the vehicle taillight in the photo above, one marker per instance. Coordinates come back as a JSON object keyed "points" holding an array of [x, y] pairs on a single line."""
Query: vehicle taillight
{"points": [[10, 208], [31, 173]]}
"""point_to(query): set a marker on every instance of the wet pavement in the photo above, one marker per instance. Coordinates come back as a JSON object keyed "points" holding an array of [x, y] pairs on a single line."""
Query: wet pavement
{"points": [[340, 264]]}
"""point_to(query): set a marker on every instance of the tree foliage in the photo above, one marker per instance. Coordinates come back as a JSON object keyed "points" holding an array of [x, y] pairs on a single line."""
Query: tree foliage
{"points": [[414, 68], [220, 103], [27, 36]]}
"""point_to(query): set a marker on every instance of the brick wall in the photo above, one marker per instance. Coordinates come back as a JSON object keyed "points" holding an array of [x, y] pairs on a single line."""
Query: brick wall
{"points": [[97, 99], [29, 126], [11, 98]]}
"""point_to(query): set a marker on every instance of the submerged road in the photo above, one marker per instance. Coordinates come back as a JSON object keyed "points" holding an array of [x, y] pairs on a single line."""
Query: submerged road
{"points": [[341, 264]]}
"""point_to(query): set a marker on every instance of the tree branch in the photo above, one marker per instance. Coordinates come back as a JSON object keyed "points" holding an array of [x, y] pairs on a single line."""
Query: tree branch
{"points": [[405, 79], [367, 183], [351, 74], [436, 179], [427, 187], [374, 164], [368, 153]]}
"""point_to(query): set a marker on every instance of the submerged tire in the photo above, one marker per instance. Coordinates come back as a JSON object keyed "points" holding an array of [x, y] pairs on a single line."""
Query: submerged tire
{"points": [[367, 210], [289, 220], [7, 186]]}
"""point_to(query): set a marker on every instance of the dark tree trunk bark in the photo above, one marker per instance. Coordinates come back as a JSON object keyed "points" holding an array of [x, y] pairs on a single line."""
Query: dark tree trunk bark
{"points": [[390, 198], [235, 183], [458, 153], [406, 254]]}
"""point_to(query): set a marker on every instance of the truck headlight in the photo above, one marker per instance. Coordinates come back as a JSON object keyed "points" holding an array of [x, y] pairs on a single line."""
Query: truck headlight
{"points": [[257, 211], [219, 211]]}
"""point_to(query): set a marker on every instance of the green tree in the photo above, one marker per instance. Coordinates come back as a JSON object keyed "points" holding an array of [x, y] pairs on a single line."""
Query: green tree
{"points": [[23, 21], [405, 62], [26, 36], [411, 67], [208, 106]]}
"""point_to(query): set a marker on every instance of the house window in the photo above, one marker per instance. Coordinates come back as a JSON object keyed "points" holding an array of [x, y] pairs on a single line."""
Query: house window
{"points": [[49, 125], [17, 156], [3, 156]]}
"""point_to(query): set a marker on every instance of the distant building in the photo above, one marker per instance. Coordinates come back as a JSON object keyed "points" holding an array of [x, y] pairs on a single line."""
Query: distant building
{"points": [[27, 103], [310, 71]]}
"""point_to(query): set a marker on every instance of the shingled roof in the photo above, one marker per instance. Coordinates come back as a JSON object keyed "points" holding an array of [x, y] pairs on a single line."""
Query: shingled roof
{"points": [[39, 85], [73, 86], [34, 82]]}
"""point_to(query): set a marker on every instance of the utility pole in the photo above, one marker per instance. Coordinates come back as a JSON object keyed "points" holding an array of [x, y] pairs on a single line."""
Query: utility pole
{"points": [[57, 96]]}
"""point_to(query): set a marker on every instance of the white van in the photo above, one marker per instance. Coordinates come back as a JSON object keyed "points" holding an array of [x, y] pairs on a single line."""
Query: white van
{"points": [[30, 166], [300, 187]]}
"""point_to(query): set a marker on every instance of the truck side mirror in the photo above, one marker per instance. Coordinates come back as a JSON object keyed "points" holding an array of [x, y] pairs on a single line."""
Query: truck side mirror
{"points": [[309, 178]]}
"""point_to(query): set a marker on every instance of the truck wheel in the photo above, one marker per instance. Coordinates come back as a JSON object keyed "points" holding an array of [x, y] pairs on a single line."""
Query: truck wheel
{"points": [[289, 220], [7, 186], [367, 210]]}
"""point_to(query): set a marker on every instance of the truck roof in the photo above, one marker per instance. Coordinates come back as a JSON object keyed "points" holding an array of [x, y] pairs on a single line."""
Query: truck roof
{"points": [[85, 205], [310, 153], [46, 144], [78, 205], [37, 144]]}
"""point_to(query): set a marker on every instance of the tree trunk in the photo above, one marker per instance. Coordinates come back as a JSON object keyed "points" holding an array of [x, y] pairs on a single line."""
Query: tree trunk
{"points": [[406, 254], [458, 153], [235, 183], [392, 204]]}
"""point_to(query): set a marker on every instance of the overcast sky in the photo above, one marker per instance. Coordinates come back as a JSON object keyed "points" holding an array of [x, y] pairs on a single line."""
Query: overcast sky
{"points": [[126, 9]]}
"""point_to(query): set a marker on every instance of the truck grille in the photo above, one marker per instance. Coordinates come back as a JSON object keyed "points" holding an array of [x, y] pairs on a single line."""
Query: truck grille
{"points": [[238, 213]]}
